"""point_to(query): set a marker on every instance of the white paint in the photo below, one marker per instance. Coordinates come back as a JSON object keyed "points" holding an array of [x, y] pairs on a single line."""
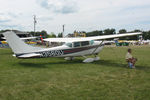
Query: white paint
{"points": [[88, 60]]}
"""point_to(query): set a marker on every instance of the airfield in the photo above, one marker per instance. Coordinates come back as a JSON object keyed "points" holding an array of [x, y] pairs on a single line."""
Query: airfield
{"points": [[57, 79]]}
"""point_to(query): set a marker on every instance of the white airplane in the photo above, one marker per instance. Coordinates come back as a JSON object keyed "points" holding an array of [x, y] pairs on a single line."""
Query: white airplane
{"points": [[72, 47]]}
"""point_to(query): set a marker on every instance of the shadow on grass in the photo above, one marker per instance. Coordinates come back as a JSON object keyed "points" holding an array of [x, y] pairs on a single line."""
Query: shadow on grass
{"points": [[110, 63], [145, 68], [49, 64], [6, 53], [107, 63], [33, 65]]}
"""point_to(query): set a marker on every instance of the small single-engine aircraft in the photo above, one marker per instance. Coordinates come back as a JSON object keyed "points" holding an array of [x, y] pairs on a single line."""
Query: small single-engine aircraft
{"points": [[72, 47]]}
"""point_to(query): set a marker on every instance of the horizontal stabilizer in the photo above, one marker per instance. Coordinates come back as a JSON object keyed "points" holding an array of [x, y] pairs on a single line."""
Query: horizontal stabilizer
{"points": [[31, 55], [25, 38], [17, 45]]}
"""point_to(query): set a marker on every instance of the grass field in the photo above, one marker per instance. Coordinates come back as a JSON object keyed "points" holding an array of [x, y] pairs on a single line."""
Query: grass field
{"points": [[57, 79]]}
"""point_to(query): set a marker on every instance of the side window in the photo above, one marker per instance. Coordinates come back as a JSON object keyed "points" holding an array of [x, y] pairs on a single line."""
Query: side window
{"points": [[85, 43], [76, 44]]}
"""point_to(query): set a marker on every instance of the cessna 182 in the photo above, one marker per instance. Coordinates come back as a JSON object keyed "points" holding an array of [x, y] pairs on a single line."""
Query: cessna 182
{"points": [[72, 47]]}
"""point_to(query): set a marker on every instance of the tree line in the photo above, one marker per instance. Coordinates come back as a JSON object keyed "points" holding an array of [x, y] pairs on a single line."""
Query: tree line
{"points": [[145, 35], [109, 31]]}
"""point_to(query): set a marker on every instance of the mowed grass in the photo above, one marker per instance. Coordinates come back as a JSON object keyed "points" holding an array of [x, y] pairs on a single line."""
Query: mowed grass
{"points": [[57, 79]]}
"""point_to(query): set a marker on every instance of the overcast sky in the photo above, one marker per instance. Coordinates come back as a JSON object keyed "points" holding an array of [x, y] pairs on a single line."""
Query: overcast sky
{"points": [[80, 15]]}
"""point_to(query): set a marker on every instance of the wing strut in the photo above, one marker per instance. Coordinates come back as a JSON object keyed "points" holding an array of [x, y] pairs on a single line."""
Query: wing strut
{"points": [[98, 46]]}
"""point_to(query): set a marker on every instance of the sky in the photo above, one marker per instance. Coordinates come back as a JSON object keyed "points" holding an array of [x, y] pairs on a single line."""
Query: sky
{"points": [[79, 15]]}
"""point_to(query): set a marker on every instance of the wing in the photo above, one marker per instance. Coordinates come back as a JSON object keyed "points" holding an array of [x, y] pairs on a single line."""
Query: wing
{"points": [[79, 39], [65, 39], [114, 36]]}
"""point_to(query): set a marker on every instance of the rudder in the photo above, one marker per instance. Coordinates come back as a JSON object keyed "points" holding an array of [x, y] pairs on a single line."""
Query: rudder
{"points": [[17, 45]]}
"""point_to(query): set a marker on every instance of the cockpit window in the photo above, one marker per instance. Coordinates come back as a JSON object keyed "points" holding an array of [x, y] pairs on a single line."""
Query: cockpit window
{"points": [[76, 44], [85, 43], [69, 44], [92, 42]]}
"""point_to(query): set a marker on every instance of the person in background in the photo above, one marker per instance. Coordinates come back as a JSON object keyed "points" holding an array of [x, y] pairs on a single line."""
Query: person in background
{"points": [[130, 59]]}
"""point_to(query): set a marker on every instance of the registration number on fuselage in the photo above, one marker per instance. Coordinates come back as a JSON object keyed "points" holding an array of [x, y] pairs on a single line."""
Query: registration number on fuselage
{"points": [[52, 53]]}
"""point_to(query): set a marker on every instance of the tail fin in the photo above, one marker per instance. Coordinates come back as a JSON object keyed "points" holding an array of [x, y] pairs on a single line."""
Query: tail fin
{"points": [[17, 45]]}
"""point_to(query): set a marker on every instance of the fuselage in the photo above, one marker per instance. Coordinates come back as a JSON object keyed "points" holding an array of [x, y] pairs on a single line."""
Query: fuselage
{"points": [[70, 50]]}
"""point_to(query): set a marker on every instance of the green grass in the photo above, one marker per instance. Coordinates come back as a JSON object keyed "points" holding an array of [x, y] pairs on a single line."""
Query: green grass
{"points": [[57, 79]]}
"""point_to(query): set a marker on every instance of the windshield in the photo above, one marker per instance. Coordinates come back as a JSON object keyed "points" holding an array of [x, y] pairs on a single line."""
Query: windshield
{"points": [[69, 44], [92, 42]]}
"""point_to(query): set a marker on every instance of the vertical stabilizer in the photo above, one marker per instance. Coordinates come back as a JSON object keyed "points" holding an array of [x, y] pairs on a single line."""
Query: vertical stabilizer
{"points": [[17, 45]]}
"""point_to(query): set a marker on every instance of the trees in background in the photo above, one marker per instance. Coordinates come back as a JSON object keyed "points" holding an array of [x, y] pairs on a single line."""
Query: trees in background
{"points": [[101, 32], [38, 33], [146, 35], [94, 33], [52, 35], [60, 35], [109, 31], [122, 31]]}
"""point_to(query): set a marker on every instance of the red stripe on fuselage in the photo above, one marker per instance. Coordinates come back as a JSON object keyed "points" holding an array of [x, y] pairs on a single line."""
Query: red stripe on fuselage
{"points": [[79, 49]]}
